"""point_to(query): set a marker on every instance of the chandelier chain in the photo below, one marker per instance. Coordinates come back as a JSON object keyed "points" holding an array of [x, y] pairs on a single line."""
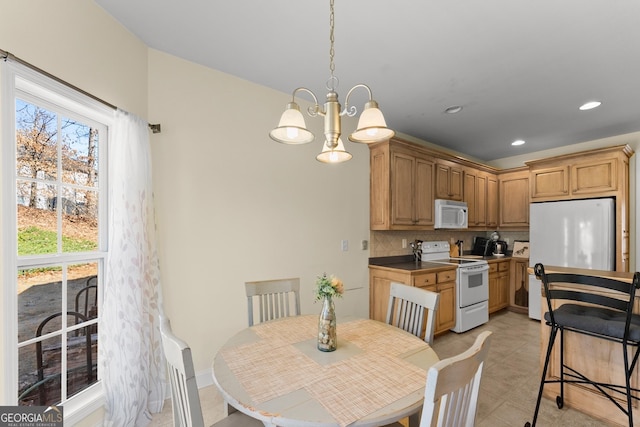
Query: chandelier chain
{"points": [[331, 40]]}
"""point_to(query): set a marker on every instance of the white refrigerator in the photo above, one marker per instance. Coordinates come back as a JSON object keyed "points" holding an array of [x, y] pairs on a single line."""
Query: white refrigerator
{"points": [[574, 233]]}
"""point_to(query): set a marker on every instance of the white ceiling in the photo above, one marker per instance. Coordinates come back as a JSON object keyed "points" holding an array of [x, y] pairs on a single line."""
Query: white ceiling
{"points": [[520, 68]]}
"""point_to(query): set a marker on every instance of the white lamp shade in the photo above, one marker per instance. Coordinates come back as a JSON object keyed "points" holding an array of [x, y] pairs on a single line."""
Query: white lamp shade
{"points": [[371, 127], [336, 155], [291, 129]]}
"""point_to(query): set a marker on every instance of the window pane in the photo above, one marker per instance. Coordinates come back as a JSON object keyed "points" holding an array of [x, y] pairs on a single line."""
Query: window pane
{"points": [[39, 296], [82, 358], [37, 223], [36, 141], [82, 290], [79, 153], [80, 220], [39, 367]]}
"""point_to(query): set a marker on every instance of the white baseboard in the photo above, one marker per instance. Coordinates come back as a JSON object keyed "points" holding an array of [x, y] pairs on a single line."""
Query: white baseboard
{"points": [[204, 378]]}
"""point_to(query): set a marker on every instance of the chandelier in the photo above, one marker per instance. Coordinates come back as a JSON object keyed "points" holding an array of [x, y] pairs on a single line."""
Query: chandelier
{"points": [[371, 125]]}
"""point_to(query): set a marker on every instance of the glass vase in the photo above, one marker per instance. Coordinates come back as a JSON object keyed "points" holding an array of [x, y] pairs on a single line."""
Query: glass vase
{"points": [[327, 340]]}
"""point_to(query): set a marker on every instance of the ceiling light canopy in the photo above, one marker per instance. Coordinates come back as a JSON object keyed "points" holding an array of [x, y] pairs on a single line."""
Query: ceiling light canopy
{"points": [[371, 125], [453, 109]]}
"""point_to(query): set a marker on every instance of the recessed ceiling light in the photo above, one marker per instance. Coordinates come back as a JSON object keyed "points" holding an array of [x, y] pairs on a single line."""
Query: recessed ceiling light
{"points": [[518, 142], [589, 105], [453, 109]]}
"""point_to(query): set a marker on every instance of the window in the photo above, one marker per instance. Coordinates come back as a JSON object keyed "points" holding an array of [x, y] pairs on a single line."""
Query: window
{"points": [[54, 163]]}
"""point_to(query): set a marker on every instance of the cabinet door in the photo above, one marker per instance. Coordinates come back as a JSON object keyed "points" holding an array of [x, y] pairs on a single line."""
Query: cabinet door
{"points": [[449, 180], [481, 201], [379, 287], [514, 200], [470, 196], [446, 314], [492, 201], [379, 188], [503, 285], [550, 182], [594, 177], [494, 291], [423, 191], [402, 172]]}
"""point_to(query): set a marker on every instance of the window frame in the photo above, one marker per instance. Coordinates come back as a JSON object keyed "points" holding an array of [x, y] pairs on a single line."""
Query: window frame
{"points": [[18, 81]]}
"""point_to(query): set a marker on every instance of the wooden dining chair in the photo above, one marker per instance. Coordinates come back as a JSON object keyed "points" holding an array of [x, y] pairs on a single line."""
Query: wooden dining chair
{"points": [[275, 298], [451, 392], [408, 307], [185, 400]]}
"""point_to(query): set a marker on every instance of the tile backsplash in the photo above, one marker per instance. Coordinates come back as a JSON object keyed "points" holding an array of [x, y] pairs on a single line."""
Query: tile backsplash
{"points": [[389, 243]]}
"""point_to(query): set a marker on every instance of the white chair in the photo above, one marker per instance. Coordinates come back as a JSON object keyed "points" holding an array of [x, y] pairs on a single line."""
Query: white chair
{"points": [[185, 400], [451, 392], [275, 298], [408, 306]]}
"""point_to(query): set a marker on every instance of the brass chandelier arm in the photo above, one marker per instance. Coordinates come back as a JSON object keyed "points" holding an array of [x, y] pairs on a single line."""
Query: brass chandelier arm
{"points": [[352, 110], [314, 110]]}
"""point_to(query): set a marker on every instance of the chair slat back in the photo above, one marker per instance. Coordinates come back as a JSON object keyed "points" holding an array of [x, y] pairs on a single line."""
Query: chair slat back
{"points": [[275, 298], [185, 400], [408, 308], [451, 392]]}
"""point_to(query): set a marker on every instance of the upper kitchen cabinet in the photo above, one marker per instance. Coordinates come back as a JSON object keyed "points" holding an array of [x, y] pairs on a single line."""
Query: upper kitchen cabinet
{"points": [[514, 198], [595, 173], [481, 195], [402, 183], [492, 200], [449, 180], [601, 172]]}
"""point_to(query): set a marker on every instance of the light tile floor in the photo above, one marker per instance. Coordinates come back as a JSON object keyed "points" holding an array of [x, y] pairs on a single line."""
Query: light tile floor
{"points": [[509, 382]]}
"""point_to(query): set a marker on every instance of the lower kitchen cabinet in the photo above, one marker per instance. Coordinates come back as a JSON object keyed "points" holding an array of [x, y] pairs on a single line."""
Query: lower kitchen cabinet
{"points": [[498, 285], [446, 314], [436, 280]]}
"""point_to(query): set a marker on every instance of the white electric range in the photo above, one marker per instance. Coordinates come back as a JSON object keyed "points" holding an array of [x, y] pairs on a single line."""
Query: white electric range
{"points": [[472, 285]]}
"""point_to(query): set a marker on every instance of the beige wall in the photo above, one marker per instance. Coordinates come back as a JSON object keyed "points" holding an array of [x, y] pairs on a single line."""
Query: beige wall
{"points": [[233, 206]]}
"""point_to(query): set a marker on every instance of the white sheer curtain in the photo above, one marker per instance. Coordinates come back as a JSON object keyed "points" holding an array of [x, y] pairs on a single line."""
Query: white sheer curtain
{"points": [[131, 359]]}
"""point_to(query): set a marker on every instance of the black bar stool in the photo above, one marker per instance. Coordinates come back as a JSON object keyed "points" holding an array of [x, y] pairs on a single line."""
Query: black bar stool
{"points": [[608, 317]]}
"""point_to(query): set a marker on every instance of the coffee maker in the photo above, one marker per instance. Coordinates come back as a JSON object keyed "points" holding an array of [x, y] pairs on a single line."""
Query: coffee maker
{"points": [[484, 246]]}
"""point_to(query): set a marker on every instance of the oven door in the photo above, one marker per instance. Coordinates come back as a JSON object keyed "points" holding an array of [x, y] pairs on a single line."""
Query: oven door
{"points": [[473, 284]]}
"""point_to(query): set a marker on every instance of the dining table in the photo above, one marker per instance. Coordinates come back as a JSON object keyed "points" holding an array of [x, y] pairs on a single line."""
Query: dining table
{"points": [[274, 372]]}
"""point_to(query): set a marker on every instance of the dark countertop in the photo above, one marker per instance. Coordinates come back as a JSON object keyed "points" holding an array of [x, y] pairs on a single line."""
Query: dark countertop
{"points": [[407, 263]]}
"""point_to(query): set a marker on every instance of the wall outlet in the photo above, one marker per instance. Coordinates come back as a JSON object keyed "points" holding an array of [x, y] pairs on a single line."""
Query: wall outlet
{"points": [[364, 245], [344, 245], [404, 243]]}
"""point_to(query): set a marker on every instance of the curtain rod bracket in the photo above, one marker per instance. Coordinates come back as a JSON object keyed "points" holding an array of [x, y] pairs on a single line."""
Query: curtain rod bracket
{"points": [[155, 128]]}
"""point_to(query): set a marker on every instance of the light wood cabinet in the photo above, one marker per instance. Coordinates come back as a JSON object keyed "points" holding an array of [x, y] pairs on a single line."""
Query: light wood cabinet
{"points": [[498, 285], [481, 195], [594, 173], [406, 178], [442, 281], [602, 172], [550, 182], [402, 183], [449, 180], [514, 198], [492, 201]]}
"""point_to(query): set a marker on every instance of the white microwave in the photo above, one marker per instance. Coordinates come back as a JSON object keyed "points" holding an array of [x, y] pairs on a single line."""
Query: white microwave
{"points": [[450, 214]]}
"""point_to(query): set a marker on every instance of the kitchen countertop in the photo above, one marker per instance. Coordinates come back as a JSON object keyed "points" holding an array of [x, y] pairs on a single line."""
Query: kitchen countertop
{"points": [[407, 263]]}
